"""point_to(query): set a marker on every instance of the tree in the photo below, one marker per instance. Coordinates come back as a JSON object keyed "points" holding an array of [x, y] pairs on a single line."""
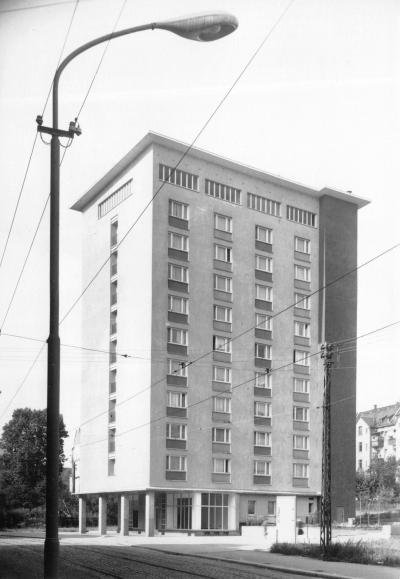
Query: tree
{"points": [[24, 444]]}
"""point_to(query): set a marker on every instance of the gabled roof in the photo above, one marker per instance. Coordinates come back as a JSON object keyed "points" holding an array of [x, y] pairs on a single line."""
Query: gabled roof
{"points": [[186, 149], [379, 417]]}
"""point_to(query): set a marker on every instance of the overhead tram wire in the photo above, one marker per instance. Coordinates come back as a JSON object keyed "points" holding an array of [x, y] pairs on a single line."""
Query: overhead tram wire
{"points": [[182, 158]]}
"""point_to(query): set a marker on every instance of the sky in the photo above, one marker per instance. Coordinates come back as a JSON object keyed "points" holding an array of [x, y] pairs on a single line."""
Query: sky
{"points": [[318, 104]]}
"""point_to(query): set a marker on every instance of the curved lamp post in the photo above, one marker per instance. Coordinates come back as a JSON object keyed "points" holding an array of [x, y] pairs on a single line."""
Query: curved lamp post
{"points": [[200, 27]]}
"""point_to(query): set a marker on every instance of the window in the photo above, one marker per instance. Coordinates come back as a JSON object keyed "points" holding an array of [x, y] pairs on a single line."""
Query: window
{"points": [[360, 464], [302, 329], [262, 409], [223, 284], [223, 192], [176, 400], [179, 210], [178, 305], [262, 439], [300, 385], [115, 199], [251, 507], [176, 431], [301, 216], [262, 380], [263, 234], [302, 302], [264, 205], [302, 273], [301, 358], [221, 344], [222, 404], [360, 430], [178, 273], [360, 447], [177, 367], [263, 351], [264, 293], [300, 442], [176, 462], [214, 511], [221, 374], [264, 263], [176, 241], [176, 336], [222, 314], [223, 223], [223, 253], [263, 322], [221, 465], [300, 470], [178, 177], [300, 413], [262, 467], [221, 435], [302, 245], [271, 508]]}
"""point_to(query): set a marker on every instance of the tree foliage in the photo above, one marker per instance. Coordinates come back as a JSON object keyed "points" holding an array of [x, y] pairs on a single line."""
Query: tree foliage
{"points": [[379, 481]]}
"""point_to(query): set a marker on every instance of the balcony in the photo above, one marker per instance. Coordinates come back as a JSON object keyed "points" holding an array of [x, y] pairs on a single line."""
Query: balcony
{"points": [[114, 240], [113, 387], [112, 416], [113, 357], [392, 441], [114, 299], [111, 446], [113, 329], [114, 269], [378, 443]]}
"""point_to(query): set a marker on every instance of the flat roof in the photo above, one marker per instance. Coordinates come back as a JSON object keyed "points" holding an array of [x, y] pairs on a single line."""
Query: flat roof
{"points": [[152, 138]]}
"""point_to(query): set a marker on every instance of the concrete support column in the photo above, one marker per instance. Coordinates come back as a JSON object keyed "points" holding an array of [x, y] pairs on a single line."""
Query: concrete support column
{"points": [[103, 514], [150, 512], [119, 513], [124, 514], [82, 514]]}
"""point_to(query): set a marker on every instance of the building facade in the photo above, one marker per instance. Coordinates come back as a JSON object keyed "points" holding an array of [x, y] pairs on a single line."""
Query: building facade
{"points": [[208, 409], [377, 434]]}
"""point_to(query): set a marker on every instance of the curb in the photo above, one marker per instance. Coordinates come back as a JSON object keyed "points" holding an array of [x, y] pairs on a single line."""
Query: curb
{"points": [[318, 574]]}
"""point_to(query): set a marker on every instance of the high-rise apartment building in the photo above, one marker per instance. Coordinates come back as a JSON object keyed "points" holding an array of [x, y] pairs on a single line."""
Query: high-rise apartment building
{"points": [[208, 409]]}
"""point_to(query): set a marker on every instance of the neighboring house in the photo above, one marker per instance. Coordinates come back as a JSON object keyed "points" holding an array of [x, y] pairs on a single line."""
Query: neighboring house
{"points": [[192, 431], [377, 434]]}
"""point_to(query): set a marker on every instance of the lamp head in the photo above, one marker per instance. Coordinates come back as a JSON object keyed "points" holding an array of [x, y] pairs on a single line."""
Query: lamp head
{"points": [[203, 27]]}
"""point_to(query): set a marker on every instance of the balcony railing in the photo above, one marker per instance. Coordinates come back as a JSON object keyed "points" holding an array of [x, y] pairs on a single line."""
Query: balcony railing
{"points": [[114, 240], [378, 443], [113, 357], [114, 269], [114, 328], [114, 299]]}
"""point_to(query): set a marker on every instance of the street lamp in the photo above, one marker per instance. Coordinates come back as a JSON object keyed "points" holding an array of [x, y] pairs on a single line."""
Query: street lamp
{"points": [[204, 27]]}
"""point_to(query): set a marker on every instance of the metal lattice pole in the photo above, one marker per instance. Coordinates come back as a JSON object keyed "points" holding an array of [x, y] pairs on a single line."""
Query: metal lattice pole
{"points": [[326, 522]]}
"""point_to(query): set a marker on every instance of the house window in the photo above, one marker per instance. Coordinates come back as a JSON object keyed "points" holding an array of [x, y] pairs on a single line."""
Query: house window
{"points": [[263, 322], [251, 507], [222, 314], [223, 223], [222, 404], [115, 199], [264, 293], [302, 245], [177, 367], [264, 263], [262, 467], [178, 177], [262, 380], [221, 374], [222, 435], [176, 241], [176, 463], [301, 216], [300, 442], [300, 413], [221, 344], [223, 253], [262, 439], [301, 358], [360, 430], [180, 210], [360, 464], [223, 192], [302, 329], [178, 273], [263, 351], [262, 409], [176, 431], [302, 273], [178, 305], [263, 205], [176, 400], [300, 385], [222, 283], [176, 336], [302, 302], [263, 234], [221, 465], [360, 447], [271, 508], [300, 470]]}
